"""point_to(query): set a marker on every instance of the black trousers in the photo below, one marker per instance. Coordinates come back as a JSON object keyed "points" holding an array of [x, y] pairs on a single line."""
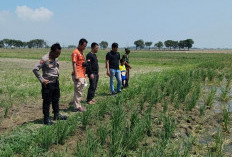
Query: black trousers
{"points": [[127, 77], [92, 87], [50, 94]]}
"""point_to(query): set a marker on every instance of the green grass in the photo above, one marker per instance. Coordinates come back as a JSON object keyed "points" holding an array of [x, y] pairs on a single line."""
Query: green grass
{"points": [[210, 99], [226, 117], [143, 120]]}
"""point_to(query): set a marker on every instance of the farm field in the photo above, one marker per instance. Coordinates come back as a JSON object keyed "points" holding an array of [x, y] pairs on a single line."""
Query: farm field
{"points": [[178, 104]]}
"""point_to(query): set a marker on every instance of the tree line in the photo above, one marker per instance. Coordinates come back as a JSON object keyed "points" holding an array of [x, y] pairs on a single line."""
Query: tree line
{"points": [[35, 43], [40, 43], [102, 44], [170, 44]]}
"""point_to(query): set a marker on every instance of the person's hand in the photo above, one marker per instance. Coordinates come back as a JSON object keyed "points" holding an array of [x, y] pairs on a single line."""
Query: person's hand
{"points": [[91, 76], [45, 82], [108, 73], [130, 67]]}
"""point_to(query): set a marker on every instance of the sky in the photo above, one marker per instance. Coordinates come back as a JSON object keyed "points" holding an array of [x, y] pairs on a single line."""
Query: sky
{"points": [[207, 22]]}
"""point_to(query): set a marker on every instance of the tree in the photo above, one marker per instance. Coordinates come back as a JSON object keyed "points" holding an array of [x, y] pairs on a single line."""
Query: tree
{"points": [[148, 44], [72, 46], [6, 42], [12, 43], [103, 44], [24, 44], [174, 44], [168, 44], [37, 43], [189, 43], [30, 44], [1, 44], [17, 43], [181, 44], [139, 43], [159, 45]]}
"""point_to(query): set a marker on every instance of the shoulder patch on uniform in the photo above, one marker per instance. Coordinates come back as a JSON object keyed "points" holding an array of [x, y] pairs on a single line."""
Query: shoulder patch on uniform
{"points": [[41, 61]]}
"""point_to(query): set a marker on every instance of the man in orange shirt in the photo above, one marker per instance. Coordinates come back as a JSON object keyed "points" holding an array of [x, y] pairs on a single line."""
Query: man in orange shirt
{"points": [[78, 75]]}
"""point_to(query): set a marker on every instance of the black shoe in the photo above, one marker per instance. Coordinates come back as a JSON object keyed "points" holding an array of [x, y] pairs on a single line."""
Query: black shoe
{"points": [[59, 117], [118, 91], [47, 121], [75, 110], [80, 109], [114, 93]]}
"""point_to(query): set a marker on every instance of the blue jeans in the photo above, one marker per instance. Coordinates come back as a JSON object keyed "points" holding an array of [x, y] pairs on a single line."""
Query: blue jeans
{"points": [[115, 73]]}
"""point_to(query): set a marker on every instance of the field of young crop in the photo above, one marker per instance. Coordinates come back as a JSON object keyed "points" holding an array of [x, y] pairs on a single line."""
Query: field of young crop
{"points": [[178, 105]]}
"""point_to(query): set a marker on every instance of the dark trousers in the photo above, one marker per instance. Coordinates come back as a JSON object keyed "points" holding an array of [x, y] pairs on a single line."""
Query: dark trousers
{"points": [[123, 83], [92, 87], [127, 77], [50, 94]]}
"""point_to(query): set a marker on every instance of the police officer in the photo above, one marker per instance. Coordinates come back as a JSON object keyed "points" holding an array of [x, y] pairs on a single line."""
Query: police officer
{"points": [[50, 83]]}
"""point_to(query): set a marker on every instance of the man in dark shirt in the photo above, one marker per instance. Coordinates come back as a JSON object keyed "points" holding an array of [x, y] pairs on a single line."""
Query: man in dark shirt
{"points": [[112, 65], [92, 70]]}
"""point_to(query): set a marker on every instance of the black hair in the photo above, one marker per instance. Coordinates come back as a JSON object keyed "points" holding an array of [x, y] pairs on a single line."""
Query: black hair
{"points": [[122, 60], [94, 44], [115, 45], [55, 46], [82, 41], [127, 50]]}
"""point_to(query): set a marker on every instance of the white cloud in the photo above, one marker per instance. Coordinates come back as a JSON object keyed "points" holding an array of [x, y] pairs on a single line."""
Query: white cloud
{"points": [[39, 14], [4, 15]]}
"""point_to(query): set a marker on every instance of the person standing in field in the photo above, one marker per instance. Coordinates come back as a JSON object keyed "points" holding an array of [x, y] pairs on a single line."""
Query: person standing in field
{"points": [[92, 70], [78, 74], [50, 83], [122, 68], [112, 65], [125, 57]]}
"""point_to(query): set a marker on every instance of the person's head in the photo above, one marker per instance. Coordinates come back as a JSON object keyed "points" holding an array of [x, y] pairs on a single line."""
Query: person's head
{"points": [[55, 51], [94, 47], [115, 47], [122, 61], [82, 44], [127, 51]]}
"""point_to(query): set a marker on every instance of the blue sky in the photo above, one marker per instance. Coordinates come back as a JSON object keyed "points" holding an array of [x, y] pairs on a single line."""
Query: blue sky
{"points": [[207, 22]]}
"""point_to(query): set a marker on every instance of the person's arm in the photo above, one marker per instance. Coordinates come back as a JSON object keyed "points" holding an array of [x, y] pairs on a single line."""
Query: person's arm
{"points": [[74, 60], [89, 67], [58, 64], [108, 68], [107, 65], [128, 65], [75, 71], [36, 70]]}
